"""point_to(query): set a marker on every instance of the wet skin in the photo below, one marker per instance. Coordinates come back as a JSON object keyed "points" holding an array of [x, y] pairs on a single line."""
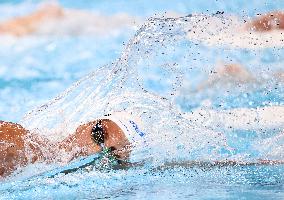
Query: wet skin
{"points": [[19, 147], [267, 22]]}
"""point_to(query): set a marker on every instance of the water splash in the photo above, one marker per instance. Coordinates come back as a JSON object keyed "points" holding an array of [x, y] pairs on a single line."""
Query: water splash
{"points": [[146, 81]]}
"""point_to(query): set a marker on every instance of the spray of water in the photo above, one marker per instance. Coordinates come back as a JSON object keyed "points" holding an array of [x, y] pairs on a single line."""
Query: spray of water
{"points": [[144, 82]]}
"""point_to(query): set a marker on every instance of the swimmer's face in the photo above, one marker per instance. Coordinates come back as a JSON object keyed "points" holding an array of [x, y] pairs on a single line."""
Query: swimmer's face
{"points": [[115, 139]]}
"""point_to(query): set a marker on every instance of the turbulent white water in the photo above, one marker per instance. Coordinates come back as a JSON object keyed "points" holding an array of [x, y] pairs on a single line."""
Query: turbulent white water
{"points": [[146, 81], [161, 74]]}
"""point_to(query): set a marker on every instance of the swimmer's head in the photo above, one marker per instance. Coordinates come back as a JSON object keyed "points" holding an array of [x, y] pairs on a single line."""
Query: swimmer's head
{"points": [[106, 134]]}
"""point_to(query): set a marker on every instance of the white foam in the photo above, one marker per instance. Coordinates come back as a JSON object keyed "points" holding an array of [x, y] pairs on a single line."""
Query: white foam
{"points": [[262, 118], [118, 87]]}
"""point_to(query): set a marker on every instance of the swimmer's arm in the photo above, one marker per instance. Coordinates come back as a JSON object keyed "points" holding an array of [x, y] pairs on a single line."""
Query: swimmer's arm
{"points": [[227, 73], [267, 22]]}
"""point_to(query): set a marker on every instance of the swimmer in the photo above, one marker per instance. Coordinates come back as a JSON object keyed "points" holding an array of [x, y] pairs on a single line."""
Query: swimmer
{"points": [[227, 73], [51, 19], [279, 75], [265, 31], [20, 147], [267, 22], [235, 74]]}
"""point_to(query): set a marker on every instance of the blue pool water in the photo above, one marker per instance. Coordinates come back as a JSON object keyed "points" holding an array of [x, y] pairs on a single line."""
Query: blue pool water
{"points": [[152, 72]]}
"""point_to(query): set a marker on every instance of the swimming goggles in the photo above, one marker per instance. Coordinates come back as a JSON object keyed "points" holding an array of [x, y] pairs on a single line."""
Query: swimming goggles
{"points": [[98, 136]]}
